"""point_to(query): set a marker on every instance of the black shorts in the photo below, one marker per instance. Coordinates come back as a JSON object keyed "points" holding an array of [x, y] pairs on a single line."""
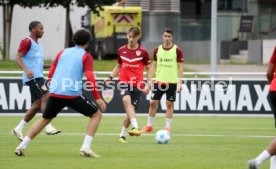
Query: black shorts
{"points": [[272, 97], [80, 104], [159, 89], [38, 88], [133, 92]]}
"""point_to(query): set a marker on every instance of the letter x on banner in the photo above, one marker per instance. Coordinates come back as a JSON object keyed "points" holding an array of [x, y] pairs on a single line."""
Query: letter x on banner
{"points": [[120, 18]]}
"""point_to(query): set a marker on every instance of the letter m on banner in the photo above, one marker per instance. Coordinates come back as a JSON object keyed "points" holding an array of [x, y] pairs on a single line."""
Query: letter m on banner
{"points": [[123, 18]]}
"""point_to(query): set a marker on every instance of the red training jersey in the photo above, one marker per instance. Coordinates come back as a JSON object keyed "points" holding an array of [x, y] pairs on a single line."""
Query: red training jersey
{"points": [[24, 46], [273, 61], [132, 64]]}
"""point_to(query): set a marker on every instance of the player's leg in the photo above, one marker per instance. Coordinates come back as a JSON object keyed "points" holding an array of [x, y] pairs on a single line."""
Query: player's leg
{"points": [[272, 96], [35, 107], [171, 95], [91, 110], [265, 155], [49, 129], [131, 103], [54, 105], [156, 94], [126, 124]]}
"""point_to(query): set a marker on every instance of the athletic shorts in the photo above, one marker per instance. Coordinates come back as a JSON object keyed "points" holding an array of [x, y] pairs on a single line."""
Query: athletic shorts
{"points": [[38, 88], [80, 104], [133, 92], [159, 89]]}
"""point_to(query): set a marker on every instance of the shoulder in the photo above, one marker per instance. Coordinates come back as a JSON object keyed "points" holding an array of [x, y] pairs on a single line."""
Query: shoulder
{"points": [[26, 41], [122, 48]]}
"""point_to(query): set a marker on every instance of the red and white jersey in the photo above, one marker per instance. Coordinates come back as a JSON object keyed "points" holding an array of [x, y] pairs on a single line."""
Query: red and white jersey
{"points": [[273, 61], [132, 64]]}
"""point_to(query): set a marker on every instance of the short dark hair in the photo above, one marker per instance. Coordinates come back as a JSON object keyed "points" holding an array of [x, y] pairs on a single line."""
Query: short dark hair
{"points": [[33, 24], [81, 37], [168, 30], [135, 31]]}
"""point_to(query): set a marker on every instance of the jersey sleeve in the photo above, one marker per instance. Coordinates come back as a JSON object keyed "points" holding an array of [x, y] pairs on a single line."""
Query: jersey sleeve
{"points": [[88, 70], [54, 65], [24, 46], [180, 57], [119, 60], [273, 57], [146, 59], [155, 54]]}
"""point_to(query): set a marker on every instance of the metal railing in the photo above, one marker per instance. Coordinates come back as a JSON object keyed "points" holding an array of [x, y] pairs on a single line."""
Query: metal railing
{"points": [[101, 74]]}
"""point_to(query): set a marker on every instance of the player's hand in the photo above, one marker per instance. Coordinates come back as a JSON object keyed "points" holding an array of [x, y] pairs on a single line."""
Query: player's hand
{"points": [[29, 74], [146, 88], [107, 80], [101, 104], [179, 88]]}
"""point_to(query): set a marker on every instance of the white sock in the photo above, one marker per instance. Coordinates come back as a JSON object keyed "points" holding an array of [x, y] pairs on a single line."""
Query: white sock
{"points": [[25, 142], [21, 125], [87, 142], [123, 132], [168, 123], [150, 121], [262, 157], [49, 126], [273, 162], [134, 123]]}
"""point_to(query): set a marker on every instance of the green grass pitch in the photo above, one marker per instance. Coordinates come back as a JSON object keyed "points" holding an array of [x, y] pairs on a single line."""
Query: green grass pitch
{"points": [[197, 142]]}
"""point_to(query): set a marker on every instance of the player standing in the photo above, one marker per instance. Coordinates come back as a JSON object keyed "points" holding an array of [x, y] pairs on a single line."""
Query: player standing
{"points": [[168, 66], [30, 59], [66, 90], [132, 58]]}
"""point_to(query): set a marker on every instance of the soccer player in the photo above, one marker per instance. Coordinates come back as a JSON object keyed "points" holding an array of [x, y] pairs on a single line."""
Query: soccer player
{"points": [[131, 61], [66, 90], [270, 152], [168, 66], [30, 59]]}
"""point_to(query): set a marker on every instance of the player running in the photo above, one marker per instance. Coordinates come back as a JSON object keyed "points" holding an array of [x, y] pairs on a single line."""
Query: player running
{"points": [[66, 90], [30, 59]]}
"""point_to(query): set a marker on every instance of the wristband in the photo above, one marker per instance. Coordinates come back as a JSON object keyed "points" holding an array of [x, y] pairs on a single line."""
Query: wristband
{"points": [[110, 77]]}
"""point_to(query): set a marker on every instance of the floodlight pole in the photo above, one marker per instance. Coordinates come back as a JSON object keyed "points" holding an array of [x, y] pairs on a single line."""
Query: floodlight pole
{"points": [[213, 58]]}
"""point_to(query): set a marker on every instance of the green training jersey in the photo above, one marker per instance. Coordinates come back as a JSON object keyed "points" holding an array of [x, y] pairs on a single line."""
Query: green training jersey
{"points": [[167, 69]]}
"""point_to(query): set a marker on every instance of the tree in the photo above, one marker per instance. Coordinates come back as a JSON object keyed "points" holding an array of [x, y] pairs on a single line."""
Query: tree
{"points": [[8, 6]]}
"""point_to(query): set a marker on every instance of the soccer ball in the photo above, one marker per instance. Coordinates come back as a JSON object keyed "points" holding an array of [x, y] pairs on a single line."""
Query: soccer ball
{"points": [[162, 137]]}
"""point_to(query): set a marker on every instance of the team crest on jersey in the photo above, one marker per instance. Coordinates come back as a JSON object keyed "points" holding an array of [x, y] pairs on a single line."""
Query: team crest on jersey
{"points": [[138, 53], [108, 95]]}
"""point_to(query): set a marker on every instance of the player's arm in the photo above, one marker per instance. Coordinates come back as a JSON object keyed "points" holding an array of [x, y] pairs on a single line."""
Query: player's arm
{"points": [[88, 70], [180, 69], [270, 72], [54, 65], [116, 69], [271, 67], [22, 50]]}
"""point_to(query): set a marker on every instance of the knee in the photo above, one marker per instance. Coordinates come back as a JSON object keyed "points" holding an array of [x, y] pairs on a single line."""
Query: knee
{"points": [[169, 105], [153, 104], [36, 106], [126, 100], [98, 115]]}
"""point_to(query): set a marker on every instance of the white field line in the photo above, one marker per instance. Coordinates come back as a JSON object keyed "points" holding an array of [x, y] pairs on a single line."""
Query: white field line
{"points": [[173, 135], [158, 114]]}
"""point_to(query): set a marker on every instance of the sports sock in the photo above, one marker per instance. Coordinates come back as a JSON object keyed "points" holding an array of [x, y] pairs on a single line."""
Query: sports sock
{"points": [[87, 142], [49, 126], [25, 142], [273, 162], [21, 125], [134, 123], [262, 157], [168, 123], [150, 121], [123, 132]]}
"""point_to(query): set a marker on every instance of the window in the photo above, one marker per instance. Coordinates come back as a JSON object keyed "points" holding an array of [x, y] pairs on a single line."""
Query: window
{"points": [[232, 5]]}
